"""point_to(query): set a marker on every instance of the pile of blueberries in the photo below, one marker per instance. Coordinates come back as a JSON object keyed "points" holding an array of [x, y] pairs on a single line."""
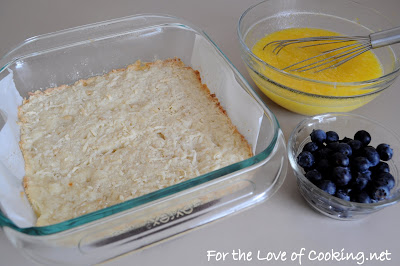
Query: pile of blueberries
{"points": [[349, 169]]}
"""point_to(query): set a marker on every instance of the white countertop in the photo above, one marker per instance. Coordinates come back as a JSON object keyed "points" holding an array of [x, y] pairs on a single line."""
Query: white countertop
{"points": [[283, 223]]}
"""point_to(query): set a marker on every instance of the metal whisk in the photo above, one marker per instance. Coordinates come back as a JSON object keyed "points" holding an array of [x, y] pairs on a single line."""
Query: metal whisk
{"points": [[342, 54]]}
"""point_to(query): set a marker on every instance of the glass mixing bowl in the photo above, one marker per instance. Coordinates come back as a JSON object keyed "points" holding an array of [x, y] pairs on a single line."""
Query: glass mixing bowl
{"points": [[342, 16], [344, 124]]}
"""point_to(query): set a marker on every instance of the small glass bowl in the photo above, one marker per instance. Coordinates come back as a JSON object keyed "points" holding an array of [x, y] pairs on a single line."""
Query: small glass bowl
{"points": [[344, 124], [342, 16]]}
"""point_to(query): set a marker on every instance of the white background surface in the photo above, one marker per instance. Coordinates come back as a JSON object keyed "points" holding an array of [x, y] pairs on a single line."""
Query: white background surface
{"points": [[283, 223]]}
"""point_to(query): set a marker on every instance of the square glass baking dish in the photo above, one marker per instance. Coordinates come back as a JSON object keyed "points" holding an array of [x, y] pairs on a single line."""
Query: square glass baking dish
{"points": [[63, 57]]}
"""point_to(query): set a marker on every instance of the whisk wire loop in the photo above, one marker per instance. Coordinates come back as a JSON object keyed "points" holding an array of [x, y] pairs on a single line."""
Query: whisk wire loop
{"points": [[339, 58], [360, 45], [340, 55]]}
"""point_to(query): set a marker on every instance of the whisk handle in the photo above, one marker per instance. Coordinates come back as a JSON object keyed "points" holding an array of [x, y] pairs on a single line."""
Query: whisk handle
{"points": [[386, 37]]}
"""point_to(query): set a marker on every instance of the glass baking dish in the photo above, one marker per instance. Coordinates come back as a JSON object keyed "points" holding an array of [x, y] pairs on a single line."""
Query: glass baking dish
{"points": [[63, 57]]}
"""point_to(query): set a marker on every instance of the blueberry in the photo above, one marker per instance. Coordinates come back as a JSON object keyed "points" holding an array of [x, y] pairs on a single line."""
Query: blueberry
{"points": [[314, 176], [327, 186], [305, 159], [381, 167], [385, 152], [323, 153], [363, 136], [311, 147], [372, 155], [334, 146], [331, 136], [340, 159], [355, 145], [379, 193], [384, 179], [362, 197], [318, 136], [342, 194], [323, 166], [345, 149], [345, 140], [306, 169], [348, 168], [341, 175], [347, 189], [359, 183], [360, 164], [366, 174], [373, 200], [340, 147]]}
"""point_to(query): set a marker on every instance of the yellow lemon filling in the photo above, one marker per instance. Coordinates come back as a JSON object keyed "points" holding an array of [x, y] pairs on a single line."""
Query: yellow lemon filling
{"points": [[361, 68]]}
